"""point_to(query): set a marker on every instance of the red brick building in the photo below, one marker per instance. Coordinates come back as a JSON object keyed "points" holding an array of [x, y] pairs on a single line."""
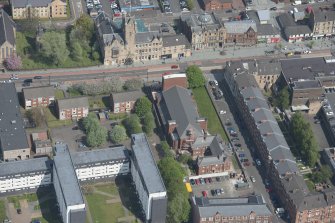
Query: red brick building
{"points": [[171, 80], [213, 5], [38, 96], [124, 101], [72, 108]]}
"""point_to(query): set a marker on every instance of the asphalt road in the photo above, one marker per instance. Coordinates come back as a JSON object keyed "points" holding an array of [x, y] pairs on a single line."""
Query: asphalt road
{"points": [[227, 104]]}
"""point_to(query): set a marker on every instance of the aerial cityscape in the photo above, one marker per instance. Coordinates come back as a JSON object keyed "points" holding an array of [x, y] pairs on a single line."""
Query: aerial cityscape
{"points": [[167, 111]]}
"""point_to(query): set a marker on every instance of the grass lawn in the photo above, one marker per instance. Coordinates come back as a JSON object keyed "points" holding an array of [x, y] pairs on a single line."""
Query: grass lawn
{"points": [[108, 188], [206, 109], [31, 58], [2, 211], [101, 211], [52, 121], [59, 94], [98, 102]]}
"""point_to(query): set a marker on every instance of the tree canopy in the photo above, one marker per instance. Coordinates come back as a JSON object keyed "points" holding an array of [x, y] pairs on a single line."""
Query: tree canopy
{"points": [[195, 77], [133, 84], [53, 45], [148, 123], [323, 175], [117, 134], [283, 100], [142, 106], [96, 134], [304, 139], [132, 124], [173, 174]]}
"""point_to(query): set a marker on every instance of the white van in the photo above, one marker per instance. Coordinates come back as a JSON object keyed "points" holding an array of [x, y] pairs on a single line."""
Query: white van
{"points": [[295, 10], [280, 211]]}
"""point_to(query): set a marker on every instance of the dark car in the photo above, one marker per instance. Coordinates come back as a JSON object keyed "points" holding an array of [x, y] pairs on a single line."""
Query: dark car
{"points": [[28, 80], [238, 145], [19, 211], [38, 77], [273, 8], [218, 179], [192, 181], [25, 84]]}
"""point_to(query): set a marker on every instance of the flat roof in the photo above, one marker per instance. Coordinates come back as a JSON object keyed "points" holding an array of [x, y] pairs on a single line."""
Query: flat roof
{"points": [[25, 166], [100, 155], [12, 133], [67, 176], [146, 163]]}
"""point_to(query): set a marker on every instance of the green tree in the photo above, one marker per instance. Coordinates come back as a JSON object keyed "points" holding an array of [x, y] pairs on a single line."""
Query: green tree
{"points": [[77, 52], [283, 100], [166, 149], [85, 25], [190, 4], [35, 116], [95, 56], [173, 174], [148, 122], [195, 77], [133, 84], [95, 133], [117, 134], [304, 139], [142, 106], [132, 124], [53, 45]]}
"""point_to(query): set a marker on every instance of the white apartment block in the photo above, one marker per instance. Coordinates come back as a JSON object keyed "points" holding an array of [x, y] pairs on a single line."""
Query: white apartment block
{"points": [[147, 179], [25, 175]]}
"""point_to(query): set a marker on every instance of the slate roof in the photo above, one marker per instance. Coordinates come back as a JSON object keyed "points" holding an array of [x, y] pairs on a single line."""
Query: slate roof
{"points": [[147, 168], [146, 37], [7, 26], [201, 22], [25, 166], [218, 153], [266, 30], [285, 20], [306, 84], [68, 103], [323, 16], [297, 30], [37, 92], [263, 15], [108, 29], [126, 96], [12, 133], [241, 26], [241, 74], [209, 207], [175, 40], [32, 3], [181, 108]]}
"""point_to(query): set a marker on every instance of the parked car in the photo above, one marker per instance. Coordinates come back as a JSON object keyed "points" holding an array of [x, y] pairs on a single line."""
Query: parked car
{"points": [[197, 182], [38, 77], [238, 145], [246, 163], [211, 83], [258, 162], [28, 80], [210, 180], [223, 112], [213, 192], [218, 191], [252, 179], [241, 155], [174, 67], [273, 9], [192, 181], [19, 211], [218, 179], [204, 193]]}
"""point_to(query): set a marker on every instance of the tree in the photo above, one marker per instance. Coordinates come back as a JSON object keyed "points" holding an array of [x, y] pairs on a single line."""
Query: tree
{"points": [[95, 133], [116, 84], [304, 139], [133, 84], [323, 175], [54, 47], [142, 106], [148, 122], [283, 99], [95, 56], [173, 174], [86, 26], [310, 44], [117, 134], [35, 116], [195, 77], [77, 52], [166, 149], [190, 4], [132, 124], [13, 62]]}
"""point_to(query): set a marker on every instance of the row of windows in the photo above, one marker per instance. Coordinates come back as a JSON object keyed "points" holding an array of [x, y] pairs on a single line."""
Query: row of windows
{"points": [[147, 44]]}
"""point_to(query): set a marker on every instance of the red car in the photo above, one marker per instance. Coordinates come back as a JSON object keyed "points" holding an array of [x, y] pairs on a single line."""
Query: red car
{"points": [[204, 193], [246, 164], [174, 67], [197, 182]]}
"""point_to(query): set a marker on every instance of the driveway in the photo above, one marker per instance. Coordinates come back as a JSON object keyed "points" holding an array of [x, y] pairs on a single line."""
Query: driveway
{"points": [[67, 135]]}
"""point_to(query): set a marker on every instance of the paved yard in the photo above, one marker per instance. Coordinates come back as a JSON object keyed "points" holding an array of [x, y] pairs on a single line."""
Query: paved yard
{"points": [[67, 135]]}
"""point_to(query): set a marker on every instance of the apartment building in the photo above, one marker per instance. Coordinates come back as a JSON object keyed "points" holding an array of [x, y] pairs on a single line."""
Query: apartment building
{"points": [[25, 175], [322, 23], [13, 138], [38, 96], [7, 36], [148, 181], [301, 204], [41, 143], [242, 32], [204, 31], [101, 164], [72, 108], [327, 115], [69, 196], [329, 157], [250, 209], [124, 101], [128, 40], [43, 9]]}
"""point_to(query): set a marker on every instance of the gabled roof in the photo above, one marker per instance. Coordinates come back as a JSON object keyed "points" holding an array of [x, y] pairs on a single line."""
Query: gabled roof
{"points": [[255, 104], [274, 140], [126, 96], [7, 26], [37, 92], [241, 26], [182, 109], [263, 114], [68, 103]]}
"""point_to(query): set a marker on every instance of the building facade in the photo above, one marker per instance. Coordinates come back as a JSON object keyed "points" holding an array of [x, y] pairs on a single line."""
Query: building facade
{"points": [[322, 23], [25, 175], [124, 101], [242, 32], [13, 138], [72, 108], [148, 181], [41, 143], [213, 5], [222, 210], [38, 9], [128, 40], [101, 164], [38, 96], [69, 196], [7, 36], [287, 181], [204, 31]]}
